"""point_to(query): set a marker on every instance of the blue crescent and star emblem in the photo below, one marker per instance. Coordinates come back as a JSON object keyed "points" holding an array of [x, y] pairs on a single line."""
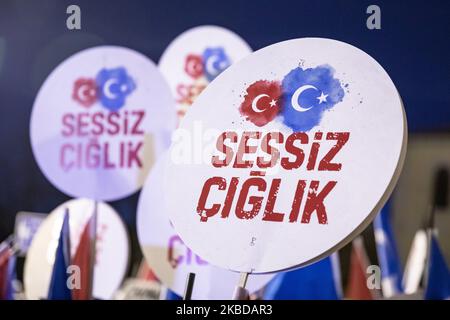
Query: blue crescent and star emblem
{"points": [[114, 86], [215, 60], [307, 94]]}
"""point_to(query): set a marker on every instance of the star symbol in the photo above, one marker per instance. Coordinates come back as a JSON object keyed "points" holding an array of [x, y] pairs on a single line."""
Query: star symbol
{"points": [[273, 103], [322, 98]]}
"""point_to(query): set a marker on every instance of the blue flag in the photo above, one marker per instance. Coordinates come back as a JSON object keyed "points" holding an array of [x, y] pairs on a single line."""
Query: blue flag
{"points": [[319, 281], [170, 295], [438, 275], [11, 277], [391, 273], [59, 289]]}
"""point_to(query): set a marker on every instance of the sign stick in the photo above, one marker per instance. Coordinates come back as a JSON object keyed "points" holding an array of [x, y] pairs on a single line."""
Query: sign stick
{"points": [[93, 235], [189, 286], [240, 293]]}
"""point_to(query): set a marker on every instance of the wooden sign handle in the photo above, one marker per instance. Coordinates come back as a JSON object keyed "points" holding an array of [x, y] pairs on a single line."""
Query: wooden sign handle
{"points": [[240, 293]]}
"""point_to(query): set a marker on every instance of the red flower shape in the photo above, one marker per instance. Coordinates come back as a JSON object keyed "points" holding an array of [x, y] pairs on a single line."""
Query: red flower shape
{"points": [[262, 102], [85, 92], [194, 66]]}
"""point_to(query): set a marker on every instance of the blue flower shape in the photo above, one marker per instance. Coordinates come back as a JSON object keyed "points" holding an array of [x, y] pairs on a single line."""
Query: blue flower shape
{"points": [[114, 85], [307, 94], [215, 60]]}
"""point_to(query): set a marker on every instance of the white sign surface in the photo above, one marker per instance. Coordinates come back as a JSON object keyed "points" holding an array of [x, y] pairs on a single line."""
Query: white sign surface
{"points": [[112, 248], [167, 255], [196, 57], [285, 156], [99, 121]]}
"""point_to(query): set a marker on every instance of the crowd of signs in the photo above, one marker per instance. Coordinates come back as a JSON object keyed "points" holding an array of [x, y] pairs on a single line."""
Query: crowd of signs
{"points": [[285, 156]]}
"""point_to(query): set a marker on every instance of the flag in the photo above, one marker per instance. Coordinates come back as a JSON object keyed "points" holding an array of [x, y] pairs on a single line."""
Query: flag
{"points": [[59, 289], [5, 254], [357, 288], [84, 258], [438, 275], [391, 274], [320, 280], [10, 277], [145, 273], [170, 295], [7, 269]]}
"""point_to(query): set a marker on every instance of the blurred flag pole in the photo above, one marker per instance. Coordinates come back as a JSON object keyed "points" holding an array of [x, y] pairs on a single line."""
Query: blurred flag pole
{"points": [[430, 232], [437, 275], [189, 286], [436, 278], [93, 236]]}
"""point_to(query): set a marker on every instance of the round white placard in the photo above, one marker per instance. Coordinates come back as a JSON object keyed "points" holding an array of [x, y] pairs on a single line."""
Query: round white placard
{"points": [[196, 57], [112, 248], [169, 258], [99, 121], [285, 156]]}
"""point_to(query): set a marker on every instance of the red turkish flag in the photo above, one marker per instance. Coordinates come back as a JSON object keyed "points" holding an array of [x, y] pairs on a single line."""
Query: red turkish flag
{"points": [[85, 259], [5, 255], [262, 102], [194, 66], [145, 272], [85, 92], [357, 283]]}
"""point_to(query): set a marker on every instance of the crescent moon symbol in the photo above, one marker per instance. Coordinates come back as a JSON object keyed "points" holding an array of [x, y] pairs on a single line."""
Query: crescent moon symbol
{"points": [[107, 88], [209, 65], [84, 90], [296, 95], [255, 102], [191, 66]]}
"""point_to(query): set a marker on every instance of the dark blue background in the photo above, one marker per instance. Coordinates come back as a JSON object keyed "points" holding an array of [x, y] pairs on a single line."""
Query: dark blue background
{"points": [[413, 46]]}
